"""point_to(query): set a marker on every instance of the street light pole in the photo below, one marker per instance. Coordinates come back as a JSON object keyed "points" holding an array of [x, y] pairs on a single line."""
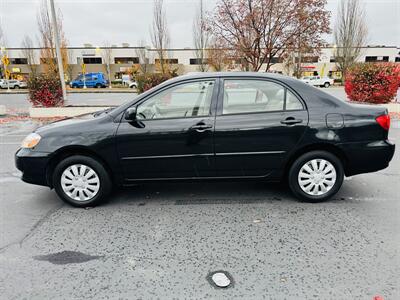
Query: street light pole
{"points": [[58, 50]]}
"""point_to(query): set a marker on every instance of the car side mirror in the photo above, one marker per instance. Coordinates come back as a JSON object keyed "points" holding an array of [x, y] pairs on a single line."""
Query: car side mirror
{"points": [[130, 114]]}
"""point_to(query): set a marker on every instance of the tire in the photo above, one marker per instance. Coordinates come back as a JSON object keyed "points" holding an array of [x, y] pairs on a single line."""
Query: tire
{"points": [[16, 87], [319, 180], [98, 85], [327, 84], [91, 189]]}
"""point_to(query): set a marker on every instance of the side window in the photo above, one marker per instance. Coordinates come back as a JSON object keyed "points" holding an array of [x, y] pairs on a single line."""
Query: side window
{"points": [[182, 101], [247, 96], [292, 102], [88, 77]]}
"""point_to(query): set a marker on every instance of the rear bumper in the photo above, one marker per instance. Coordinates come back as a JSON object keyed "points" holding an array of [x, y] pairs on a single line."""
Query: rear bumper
{"points": [[365, 157], [33, 166]]}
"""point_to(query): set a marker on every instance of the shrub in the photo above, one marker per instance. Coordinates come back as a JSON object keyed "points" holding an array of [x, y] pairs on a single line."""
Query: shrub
{"points": [[45, 90], [372, 82], [147, 81]]}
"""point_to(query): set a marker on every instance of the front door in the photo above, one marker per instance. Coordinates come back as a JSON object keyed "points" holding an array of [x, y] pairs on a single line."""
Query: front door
{"points": [[258, 123], [172, 137]]}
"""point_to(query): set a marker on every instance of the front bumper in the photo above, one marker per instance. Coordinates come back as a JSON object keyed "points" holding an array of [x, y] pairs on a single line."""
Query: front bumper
{"points": [[365, 157], [33, 166]]}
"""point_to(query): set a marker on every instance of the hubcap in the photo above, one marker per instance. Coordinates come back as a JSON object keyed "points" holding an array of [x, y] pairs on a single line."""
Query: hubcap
{"points": [[317, 177], [80, 182]]}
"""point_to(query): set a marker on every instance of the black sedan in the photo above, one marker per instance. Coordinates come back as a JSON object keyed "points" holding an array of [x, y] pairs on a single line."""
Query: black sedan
{"points": [[211, 126]]}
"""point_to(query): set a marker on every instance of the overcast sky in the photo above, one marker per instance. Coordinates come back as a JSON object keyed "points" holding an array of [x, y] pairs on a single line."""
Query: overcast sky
{"points": [[119, 21]]}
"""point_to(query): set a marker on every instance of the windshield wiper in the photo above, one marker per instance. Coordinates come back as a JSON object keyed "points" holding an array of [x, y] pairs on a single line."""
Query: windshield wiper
{"points": [[105, 111]]}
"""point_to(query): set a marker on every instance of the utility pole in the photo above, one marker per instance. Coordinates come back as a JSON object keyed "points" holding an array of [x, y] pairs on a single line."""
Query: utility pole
{"points": [[202, 33], [58, 50]]}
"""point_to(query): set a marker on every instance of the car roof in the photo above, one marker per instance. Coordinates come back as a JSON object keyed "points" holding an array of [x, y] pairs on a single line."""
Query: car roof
{"points": [[200, 75], [231, 74], [312, 94]]}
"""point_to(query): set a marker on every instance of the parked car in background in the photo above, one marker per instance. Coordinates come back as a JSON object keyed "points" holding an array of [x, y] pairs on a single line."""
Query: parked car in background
{"points": [[90, 80], [211, 126], [132, 84], [14, 84], [318, 81]]}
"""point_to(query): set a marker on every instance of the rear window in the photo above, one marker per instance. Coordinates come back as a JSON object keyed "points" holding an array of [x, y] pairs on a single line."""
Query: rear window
{"points": [[252, 96]]}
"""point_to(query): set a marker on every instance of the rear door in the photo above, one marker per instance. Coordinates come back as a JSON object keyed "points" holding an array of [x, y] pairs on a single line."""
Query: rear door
{"points": [[258, 123]]}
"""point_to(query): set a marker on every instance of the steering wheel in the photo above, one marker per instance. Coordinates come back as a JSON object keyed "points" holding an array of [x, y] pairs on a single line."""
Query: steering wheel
{"points": [[142, 115]]}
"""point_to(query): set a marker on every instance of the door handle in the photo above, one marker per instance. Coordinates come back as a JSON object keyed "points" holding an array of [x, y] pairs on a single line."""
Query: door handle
{"points": [[291, 121], [201, 127]]}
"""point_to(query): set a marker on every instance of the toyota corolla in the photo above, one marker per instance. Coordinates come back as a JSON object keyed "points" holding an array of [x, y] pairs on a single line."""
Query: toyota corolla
{"points": [[211, 126]]}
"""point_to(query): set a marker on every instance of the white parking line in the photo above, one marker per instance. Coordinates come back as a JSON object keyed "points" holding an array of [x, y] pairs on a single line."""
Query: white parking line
{"points": [[10, 143]]}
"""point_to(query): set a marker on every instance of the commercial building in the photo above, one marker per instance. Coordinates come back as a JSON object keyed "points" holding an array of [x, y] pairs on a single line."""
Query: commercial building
{"points": [[125, 59]]}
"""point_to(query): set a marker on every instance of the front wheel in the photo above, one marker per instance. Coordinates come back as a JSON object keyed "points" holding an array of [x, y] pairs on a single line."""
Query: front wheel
{"points": [[316, 176], [327, 84], [81, 181]]}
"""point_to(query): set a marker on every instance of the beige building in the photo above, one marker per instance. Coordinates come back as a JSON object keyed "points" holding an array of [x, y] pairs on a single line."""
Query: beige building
{"points": [[125, 60]]}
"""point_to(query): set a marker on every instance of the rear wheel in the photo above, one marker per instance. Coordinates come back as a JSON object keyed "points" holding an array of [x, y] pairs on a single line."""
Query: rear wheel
{"points": [[327, 84], [316, 176], [98, 85], [16, 87], [81, 181]]}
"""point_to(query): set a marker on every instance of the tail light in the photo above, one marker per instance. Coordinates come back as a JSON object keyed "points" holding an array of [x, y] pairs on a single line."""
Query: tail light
{"points": [[384, 121]]}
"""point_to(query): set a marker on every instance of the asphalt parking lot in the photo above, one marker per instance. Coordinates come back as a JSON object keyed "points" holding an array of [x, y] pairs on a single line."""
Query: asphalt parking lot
{"points": [[163, 241]]}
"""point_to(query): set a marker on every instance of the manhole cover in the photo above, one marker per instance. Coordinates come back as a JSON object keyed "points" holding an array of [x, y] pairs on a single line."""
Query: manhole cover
{"points": [[220, 279]]}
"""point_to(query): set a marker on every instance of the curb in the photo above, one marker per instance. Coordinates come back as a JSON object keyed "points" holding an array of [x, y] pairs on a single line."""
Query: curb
{"points": [[79, 91], [66, 111]]}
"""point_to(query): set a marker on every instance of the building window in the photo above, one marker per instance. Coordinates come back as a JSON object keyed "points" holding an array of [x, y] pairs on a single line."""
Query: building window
{"points": [[276, 60], [332, 59], [47, 60], [171, 61], [198, 61], [307, 59], [126, 60], [376, 58], [18, 61], [397, 59], [92, 60]]}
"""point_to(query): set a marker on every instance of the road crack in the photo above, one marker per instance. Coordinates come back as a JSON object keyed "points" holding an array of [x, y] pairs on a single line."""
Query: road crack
{"points": [[33, 229]]}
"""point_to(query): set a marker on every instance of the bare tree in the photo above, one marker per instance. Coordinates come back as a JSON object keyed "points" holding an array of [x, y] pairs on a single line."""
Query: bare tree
{"points": [[160, 34], [107, 60], [29, 53], [2, 37], [200, 38], [70, 66], [141, 53], [259, 31], [2, 44], [218, 56], [350, 34], [47, 42]]}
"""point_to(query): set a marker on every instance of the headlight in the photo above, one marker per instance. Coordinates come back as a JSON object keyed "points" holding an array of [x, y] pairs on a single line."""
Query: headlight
{"points": [[31, 140]]}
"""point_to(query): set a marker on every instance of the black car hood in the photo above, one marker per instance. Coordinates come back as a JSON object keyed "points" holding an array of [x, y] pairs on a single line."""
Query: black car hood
{"points": [[68, 121]]}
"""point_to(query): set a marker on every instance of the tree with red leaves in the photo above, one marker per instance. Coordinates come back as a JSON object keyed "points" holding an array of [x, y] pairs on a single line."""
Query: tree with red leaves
{"points": [[263, 31]]}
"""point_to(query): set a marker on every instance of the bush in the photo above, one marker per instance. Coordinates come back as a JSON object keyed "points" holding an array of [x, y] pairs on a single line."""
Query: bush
{"points": [[372, 82], [45, 90], [147, 81]]}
